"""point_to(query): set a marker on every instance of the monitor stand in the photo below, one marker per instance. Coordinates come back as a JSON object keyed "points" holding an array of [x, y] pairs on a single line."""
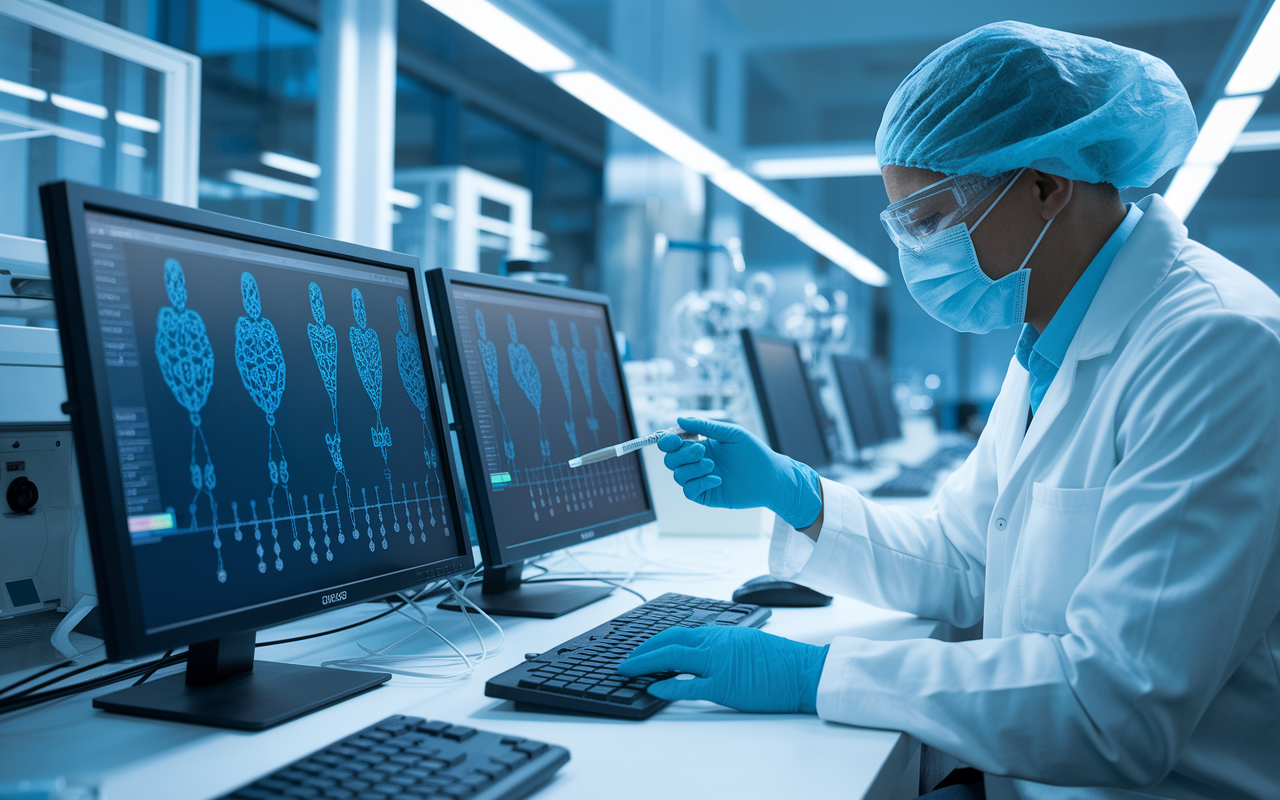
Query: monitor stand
{"points": [[223, 686], [502, 593]]}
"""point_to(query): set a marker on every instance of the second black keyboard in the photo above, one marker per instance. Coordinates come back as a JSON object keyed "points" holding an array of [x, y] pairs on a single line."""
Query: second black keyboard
{"points": [[580, 674]]}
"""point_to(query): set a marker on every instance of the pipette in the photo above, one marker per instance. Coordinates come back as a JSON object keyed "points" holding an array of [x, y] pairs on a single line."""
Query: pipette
{"points": [[606, 453]]}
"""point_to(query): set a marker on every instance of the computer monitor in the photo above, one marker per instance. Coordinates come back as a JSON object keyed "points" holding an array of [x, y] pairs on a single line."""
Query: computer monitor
{"points": [[886, 409], [535, 381], [853, 378], [256, 416], [788, 403]]}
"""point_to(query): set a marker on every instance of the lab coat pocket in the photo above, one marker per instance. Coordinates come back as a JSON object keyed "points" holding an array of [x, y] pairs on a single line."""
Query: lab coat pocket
{"points": [[1053, 553]]}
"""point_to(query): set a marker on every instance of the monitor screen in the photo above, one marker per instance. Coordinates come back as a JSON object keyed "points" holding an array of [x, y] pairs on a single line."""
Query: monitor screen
{"points": [[273, 426], [855, 389], [881, 389], [786, 397], [538, 381]]}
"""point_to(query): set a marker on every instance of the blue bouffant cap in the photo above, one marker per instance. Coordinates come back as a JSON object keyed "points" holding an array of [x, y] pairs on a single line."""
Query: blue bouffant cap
{"points": [[1010, 95]]}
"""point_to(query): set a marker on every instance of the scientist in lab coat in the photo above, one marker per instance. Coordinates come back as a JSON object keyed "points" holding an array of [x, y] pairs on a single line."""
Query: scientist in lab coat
{"points": [[1115, 528]]}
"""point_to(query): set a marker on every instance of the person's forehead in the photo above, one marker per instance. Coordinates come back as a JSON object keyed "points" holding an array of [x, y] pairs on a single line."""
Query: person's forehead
{"points": [[899, 182]]}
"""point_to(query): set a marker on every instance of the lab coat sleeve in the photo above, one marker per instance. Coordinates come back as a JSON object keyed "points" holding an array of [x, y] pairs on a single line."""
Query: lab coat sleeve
{"points": [[1184, 577], [931, 565]]}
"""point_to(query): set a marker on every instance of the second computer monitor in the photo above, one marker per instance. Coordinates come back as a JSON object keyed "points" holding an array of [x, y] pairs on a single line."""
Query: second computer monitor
{"points": [[792, 416], [535, 380], [882, 400], [855, 388]]}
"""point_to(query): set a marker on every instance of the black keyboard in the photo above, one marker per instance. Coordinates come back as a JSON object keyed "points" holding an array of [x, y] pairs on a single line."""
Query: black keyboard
{"points": [[580, 675], [910, 482], [410, 758]]}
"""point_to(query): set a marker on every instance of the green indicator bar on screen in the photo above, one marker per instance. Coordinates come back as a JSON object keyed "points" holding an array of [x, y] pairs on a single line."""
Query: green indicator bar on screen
{"points": [[499, 478]]}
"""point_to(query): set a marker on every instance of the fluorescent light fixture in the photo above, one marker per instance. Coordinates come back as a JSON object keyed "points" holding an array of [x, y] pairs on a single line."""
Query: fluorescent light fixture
{"points": [[1255, 141], [135, 150], [633, 115], [1260, 66], [138, 123], [273, 185], [79, 106], [22, 90], [751, 193], [816, 166], [1187, 186], [504, 32], [290, 164], [1225, 122], [404, 199]]}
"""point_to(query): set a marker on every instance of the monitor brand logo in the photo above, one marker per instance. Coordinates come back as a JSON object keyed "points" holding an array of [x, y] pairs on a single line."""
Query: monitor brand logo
{"points": [[588, 535], [336, 597]]}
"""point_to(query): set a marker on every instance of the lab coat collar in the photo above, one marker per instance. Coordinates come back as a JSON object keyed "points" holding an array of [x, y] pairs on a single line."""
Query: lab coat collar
{"points": [[1139, 267]]}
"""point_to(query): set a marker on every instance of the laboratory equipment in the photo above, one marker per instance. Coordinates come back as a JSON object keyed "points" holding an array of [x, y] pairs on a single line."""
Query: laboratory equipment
{"points": [[460, 218], [220, 498], [630, 446], [413, 756], [579, 674], [788, 403], [535, 381]]}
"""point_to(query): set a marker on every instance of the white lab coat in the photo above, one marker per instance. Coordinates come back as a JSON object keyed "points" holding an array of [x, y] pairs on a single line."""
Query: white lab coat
{"points": [[1122, 555]]}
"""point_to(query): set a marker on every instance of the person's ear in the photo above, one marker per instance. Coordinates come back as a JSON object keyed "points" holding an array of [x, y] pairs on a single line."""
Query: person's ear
{"points": [[1052, 192]]}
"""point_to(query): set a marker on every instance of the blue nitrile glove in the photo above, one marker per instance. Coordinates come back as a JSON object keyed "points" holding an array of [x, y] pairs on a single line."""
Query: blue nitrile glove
{"points": [[734, 469], [742, 668]]}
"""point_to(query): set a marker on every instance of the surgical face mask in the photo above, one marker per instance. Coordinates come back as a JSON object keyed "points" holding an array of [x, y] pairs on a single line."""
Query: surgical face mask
{"points": [[947, 282]]}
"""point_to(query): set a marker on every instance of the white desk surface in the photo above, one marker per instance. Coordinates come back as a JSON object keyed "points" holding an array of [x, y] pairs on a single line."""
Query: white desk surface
{"points": [[687, 750]]}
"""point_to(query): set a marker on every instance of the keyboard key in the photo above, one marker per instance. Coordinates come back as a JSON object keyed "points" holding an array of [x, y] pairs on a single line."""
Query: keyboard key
{"points": [[532, 748], [433, 728]]}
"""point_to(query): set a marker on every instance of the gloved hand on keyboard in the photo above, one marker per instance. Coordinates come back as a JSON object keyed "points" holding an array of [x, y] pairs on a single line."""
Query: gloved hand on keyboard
{"points": [[734, 469], [743, 668]]}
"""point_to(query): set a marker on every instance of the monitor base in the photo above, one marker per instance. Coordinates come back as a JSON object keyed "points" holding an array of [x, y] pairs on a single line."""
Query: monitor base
{"points": [[267, 695], [533, 600]]}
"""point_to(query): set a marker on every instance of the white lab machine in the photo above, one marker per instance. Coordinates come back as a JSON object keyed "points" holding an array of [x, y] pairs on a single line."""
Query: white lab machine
{"points": [[463, 217]]}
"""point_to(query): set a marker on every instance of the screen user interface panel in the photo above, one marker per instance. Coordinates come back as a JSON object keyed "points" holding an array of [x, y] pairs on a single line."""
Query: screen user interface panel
{"points": [[273, 419], [543, 385]]}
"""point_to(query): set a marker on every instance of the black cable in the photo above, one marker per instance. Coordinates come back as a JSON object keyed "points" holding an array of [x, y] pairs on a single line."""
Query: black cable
{"points": [[28, 697], [146, 677], [643, 599], [36, 676]]}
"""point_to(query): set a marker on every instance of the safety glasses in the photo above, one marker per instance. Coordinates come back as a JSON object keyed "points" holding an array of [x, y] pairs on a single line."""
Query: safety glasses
{"points": [[913, 219]]}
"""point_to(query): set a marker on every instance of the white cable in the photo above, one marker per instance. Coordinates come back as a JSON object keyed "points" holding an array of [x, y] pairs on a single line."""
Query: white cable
{"points": [[379, 659]]}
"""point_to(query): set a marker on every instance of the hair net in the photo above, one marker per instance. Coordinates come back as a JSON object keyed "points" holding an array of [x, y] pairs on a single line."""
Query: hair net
{"points": [[1010, 95]]}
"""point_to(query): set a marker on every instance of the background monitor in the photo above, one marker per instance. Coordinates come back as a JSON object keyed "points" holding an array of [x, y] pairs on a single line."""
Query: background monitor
{"points": [[535, 381], [792, 416], [256, 415], [886, 410], [855, 389]]}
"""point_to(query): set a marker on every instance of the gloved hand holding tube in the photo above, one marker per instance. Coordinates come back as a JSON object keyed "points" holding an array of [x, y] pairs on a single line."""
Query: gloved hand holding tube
{"points": [[734, 469]]}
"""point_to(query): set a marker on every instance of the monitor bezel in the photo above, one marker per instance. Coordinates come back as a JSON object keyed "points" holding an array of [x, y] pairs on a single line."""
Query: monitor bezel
{"points": [[64, 205], [749, 339], [440, 283]]}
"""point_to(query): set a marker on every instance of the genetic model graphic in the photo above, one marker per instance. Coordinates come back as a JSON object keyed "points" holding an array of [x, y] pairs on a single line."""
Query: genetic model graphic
{"points": [[324, 346], [186, 364], [262, 370], [368, 356], [527, 378], [489, 357], [409, 360], [561, 359], [581, 364], [604, 374]]}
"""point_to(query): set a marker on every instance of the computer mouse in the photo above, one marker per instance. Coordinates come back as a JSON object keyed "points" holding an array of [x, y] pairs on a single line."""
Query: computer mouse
{"points": [[770, 591]]}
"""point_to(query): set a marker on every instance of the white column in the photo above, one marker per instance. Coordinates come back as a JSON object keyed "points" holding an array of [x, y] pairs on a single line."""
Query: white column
{"points": [[355, 120]]}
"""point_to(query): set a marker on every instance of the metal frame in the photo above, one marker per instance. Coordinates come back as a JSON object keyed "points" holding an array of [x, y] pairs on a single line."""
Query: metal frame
{"points": [[440, 283], [64, 205], [180, 153], [465, 188]]}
